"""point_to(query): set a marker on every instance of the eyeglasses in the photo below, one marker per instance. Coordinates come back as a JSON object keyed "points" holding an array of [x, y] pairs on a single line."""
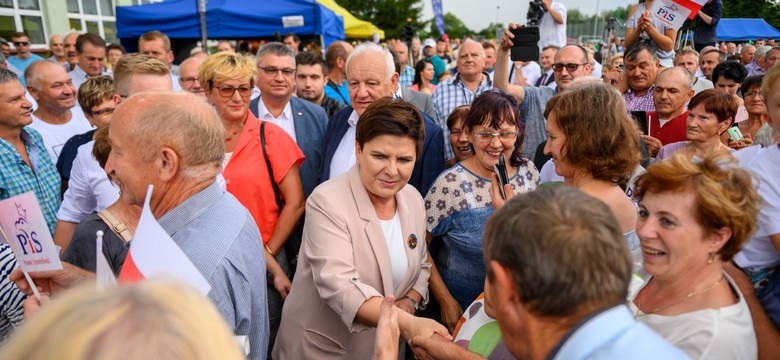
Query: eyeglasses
{"points": [[569, 67], [486, 136], [189, 80], [21, 43], [228, 91], [272, 71], [105, 111], [752, 94]]}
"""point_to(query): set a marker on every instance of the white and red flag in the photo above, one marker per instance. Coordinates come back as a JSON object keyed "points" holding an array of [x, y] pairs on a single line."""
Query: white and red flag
{"points": [[154, 254], [674, 12]]}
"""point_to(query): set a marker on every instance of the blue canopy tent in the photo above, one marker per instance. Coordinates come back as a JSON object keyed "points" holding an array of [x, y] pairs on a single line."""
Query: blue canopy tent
{"points": [[745, 29], [229, 19]]}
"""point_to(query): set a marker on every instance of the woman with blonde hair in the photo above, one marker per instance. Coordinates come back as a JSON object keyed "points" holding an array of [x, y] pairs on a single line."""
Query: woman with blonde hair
{"points": [[695, 214], [147, 320], [260, 167]]}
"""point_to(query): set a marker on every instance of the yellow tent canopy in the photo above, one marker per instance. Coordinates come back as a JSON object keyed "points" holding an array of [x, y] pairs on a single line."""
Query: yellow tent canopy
{"points": [[354, 28]]}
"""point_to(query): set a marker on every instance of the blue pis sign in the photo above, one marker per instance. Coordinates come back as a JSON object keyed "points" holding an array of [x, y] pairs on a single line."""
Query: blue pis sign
{"points": [[668, 12], [28, 240]]}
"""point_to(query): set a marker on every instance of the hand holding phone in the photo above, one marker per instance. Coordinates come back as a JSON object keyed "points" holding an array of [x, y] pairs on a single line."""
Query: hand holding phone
{"points": [[500, 170], [525, 44], [735, 134]]}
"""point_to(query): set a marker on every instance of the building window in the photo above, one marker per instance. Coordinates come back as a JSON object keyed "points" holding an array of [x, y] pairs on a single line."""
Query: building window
{"points": [[23, 15], [93, 16]]}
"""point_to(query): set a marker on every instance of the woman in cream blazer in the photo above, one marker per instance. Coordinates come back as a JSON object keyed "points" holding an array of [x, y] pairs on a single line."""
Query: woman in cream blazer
{"points": [[345, 267]]}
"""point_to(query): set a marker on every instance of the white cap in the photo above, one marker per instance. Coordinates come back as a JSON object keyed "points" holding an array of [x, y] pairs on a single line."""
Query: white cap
{"points": [[429, 42]]}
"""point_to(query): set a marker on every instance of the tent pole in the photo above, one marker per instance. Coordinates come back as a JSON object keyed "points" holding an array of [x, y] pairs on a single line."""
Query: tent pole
{"points": [[203, 35]]}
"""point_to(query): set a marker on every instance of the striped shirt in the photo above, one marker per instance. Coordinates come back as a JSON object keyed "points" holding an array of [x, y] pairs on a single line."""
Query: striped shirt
{"points": [[17, 178], [11, 298], [640, 102], [221, 239], [450, 94]]}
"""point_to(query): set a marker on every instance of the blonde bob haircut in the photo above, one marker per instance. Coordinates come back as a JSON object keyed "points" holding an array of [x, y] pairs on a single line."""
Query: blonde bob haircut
{"points": [[95, 91], [724, 193], [147, 320], [225, 66]]}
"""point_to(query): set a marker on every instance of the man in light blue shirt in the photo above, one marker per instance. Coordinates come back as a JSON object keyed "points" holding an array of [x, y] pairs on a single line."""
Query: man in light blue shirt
{"points": [[560, 292], [23, 57]]}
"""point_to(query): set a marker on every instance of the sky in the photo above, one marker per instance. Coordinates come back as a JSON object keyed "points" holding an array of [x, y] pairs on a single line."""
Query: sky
{"points": [[478, 14]]}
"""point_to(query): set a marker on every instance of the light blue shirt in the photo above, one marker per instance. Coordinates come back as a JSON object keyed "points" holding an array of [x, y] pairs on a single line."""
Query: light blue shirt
{"points": [[221, 239], [614, 334], [22, 65]]}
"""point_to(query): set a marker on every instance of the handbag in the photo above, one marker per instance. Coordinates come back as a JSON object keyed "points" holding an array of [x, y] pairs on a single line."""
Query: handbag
{"points": [[293, 244]]}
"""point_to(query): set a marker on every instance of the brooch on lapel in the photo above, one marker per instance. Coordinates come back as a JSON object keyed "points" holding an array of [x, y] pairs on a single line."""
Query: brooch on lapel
{"points": [[412, 241]]}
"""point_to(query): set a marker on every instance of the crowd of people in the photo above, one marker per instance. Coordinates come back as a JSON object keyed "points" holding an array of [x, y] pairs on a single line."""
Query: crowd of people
{"points": [[337, 203]]}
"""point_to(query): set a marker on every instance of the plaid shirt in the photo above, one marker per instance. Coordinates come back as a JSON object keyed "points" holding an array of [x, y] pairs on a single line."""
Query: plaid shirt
{"points": [[451, 94], [17, 178], [406, 78], [640, 103]]}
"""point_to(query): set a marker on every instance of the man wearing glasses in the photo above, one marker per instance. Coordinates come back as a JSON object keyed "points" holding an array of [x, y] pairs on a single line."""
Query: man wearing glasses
{"points": [[23, 57], [570, 62], [302, 120]]}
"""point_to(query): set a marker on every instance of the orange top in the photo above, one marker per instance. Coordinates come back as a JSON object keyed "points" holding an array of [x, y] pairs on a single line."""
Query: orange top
{"points": [[246, 174]]}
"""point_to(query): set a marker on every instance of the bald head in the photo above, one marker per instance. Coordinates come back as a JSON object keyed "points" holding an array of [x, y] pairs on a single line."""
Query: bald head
{"points": [[188, 75], [37, 72], [672, 90], [179, 121]]}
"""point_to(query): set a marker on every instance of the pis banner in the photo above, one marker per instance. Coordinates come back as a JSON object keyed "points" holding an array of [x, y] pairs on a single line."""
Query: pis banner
{"points": [[25, 228]]}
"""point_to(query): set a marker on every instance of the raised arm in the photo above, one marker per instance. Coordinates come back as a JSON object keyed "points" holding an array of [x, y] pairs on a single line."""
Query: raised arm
{"points": [[501, 78]]}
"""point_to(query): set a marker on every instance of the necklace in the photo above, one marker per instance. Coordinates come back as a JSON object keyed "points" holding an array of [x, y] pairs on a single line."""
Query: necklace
{"points": [[686, 297], [235, 132]]}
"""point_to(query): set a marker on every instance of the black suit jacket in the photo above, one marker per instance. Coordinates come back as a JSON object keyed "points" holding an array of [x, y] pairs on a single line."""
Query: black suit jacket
{"points": [[427, 168]]}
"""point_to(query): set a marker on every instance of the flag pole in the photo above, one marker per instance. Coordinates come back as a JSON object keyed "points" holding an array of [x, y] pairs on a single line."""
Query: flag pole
{"points": [[26, 275]]}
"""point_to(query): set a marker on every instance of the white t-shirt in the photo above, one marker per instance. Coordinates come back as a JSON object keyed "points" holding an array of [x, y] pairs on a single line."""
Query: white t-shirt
{"points": [[532, 72], [88, 188], [725, 333], [394, 237], [55, 136], [552, 33], [764, 165]]}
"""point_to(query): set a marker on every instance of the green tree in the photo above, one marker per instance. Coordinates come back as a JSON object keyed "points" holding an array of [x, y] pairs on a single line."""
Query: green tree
{"points": [[490, 31], [453, 26], [388, 15], [766, 9]]}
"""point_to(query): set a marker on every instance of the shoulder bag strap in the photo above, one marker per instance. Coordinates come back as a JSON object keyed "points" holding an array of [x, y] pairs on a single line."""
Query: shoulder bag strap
{"points": [[277, 192], [336, 88], [116, 226]]}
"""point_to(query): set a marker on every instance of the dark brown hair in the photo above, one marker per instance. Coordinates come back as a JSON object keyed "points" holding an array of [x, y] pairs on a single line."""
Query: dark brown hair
{"points": [[723, 106], [388, 116], [102, 147], [491, 109]]}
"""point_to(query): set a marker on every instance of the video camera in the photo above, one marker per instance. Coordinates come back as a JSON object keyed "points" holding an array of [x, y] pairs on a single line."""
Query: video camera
{"points": [[408, 31], [535, 12]]}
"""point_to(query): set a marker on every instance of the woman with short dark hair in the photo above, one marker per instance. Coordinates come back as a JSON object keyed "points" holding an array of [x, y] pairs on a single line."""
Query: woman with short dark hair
{"points": [[362, 241], [710, 114]]}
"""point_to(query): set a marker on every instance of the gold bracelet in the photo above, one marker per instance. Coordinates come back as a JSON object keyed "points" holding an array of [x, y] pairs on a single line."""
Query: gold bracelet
{"points": [[269, 250]]}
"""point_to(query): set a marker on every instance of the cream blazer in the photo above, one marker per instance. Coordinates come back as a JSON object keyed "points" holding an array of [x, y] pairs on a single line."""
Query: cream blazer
{"points": [[344, 262]]}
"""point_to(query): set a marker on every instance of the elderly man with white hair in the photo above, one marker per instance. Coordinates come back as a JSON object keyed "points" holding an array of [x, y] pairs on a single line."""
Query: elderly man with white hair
{"points": [[371, 76]]}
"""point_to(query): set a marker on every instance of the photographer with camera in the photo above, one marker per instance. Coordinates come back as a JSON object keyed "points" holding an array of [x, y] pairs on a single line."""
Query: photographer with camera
{"points": [[552, 24]]}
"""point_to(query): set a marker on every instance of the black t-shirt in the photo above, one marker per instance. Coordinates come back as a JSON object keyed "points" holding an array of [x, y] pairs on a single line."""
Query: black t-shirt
{"points": [[81, 251]]}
